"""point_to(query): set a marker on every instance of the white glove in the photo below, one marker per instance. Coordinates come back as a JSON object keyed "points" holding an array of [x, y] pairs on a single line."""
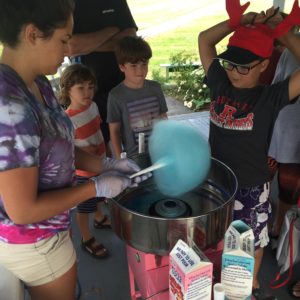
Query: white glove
{"points": [[112, 183], [124, 165]]}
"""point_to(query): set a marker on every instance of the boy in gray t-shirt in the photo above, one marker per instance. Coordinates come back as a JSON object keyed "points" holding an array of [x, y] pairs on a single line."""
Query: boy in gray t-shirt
{"points": [[136, 103]]}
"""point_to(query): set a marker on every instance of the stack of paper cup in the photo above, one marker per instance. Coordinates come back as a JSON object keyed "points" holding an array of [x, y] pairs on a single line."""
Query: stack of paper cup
{"points": [[141, 142], [219, 291]]}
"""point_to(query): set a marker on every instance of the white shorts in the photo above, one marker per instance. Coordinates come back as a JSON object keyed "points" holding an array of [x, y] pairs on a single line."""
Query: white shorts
{"points": [[39, 263]]}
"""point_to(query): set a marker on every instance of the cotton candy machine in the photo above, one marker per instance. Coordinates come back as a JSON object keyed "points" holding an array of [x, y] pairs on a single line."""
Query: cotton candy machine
{"points": [[151, 223]]}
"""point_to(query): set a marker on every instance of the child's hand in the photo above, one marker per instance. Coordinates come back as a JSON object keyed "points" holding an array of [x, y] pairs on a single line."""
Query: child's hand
{"points": [[271, 17], [248, 18], [274, 21]]}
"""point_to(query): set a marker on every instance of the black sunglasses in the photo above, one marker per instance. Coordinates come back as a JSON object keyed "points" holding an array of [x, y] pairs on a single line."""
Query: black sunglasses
{"points": [[241, 69]]}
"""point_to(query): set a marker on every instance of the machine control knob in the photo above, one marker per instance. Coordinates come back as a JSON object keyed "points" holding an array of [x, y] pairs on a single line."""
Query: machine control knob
{"points": [[137, 257]]}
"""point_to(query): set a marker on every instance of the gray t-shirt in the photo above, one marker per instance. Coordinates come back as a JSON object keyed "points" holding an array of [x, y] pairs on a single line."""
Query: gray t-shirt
{"points": [[136, 110], [285, 142]]}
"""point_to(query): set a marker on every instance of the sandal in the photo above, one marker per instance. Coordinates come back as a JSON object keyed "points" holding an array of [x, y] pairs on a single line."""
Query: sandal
{"points": [[274, 241], [96, 250], [294, 289], [259, 294], [102, 224]]}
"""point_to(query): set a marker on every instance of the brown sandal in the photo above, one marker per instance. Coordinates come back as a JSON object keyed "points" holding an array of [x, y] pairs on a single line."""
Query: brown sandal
{"points": [[295, 289], [93, 248]]}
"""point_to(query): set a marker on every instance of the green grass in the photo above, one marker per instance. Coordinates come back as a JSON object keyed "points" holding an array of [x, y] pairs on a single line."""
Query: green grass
{"points": [[181, 39], [151, 13]]}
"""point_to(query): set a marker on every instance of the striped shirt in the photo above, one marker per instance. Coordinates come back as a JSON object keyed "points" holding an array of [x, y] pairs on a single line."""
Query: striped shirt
{"points": [[88, 135]]}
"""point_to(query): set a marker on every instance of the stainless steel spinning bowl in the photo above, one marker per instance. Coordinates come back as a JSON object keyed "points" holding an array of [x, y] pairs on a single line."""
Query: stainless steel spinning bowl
{"points": [[151, 222]]}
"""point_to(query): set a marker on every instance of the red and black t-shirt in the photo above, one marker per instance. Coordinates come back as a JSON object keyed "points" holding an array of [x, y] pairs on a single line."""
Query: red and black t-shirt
{"points": [[241, 124]]}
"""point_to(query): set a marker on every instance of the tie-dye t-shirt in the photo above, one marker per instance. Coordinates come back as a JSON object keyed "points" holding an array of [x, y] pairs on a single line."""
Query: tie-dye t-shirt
{"points": [[34, 134]]}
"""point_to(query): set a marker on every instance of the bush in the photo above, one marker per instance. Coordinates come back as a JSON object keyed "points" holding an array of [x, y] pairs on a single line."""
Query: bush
{"points": [[187, 83]]}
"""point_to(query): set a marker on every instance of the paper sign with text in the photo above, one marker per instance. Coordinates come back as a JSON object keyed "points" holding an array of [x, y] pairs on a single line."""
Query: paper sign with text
{"points": [[238, 261], [190, 275]]}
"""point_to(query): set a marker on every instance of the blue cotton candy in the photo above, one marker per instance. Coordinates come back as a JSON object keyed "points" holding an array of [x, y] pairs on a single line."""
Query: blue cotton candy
{"points": [[185, 153]]}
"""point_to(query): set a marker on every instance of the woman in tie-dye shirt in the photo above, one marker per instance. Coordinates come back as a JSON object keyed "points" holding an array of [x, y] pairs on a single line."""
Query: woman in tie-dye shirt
{"points": [[37, 153]]}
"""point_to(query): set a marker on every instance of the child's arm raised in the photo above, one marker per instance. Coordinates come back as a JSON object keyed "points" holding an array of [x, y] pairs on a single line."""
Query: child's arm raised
{"points": [[207, 41], [292, 42], [294, 86]]}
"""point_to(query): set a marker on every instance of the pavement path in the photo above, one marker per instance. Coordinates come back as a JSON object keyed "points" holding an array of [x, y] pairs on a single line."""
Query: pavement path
{"points": [[176, 107]]}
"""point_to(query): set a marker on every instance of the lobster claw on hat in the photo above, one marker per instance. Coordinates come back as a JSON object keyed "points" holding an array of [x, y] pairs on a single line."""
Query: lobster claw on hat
{"points": [[258, 38], [235, 11], [291, 20]]}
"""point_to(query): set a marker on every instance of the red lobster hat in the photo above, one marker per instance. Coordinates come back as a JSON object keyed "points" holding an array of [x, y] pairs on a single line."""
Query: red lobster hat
{"points": [[253, 42]]}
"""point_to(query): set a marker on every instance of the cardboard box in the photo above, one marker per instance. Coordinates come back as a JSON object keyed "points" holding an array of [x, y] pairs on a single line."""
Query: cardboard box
{"points": [[190, 275], [238, 261]]}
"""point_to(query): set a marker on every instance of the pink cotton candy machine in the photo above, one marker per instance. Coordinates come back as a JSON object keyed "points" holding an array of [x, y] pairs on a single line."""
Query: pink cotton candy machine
{"points": [[151, 223]]}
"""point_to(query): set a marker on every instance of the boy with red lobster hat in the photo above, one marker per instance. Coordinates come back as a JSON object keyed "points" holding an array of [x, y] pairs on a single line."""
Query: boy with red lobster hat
{"points": [[243, 112]]}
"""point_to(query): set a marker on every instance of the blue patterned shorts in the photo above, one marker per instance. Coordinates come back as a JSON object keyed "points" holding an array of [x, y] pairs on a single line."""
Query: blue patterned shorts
{"points": [[253, 207]]}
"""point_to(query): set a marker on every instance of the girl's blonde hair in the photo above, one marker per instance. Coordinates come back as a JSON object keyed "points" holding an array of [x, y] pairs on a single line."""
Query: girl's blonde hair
{"points": [[73, 74]]}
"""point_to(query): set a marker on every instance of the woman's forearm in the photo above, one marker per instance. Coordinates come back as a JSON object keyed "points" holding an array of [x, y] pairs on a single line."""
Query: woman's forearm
{"points": [[87, 161], [25, 205]]}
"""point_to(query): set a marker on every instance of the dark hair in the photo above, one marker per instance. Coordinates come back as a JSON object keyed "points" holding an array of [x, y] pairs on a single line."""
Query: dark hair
{"points": [[73, 74], [46, 15], [132, 49]]}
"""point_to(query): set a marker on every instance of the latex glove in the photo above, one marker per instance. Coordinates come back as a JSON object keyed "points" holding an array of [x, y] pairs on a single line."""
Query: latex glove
{"points": [[235, 11], [124, 165], [112, 183]]}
